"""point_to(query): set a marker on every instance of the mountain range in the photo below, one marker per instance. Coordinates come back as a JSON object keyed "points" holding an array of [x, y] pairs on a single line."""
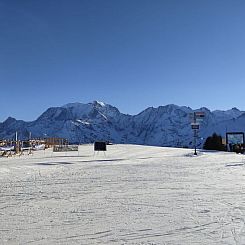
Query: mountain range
{"points": [[168, 125]]}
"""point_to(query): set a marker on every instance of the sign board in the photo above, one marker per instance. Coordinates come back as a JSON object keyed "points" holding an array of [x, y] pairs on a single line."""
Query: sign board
{"points": [[199, 119], [195, 126], [235, 138], [65, 148], [199, 114], [100, 146]]}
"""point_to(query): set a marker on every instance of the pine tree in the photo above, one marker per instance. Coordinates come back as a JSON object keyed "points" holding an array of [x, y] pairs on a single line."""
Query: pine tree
{"points": [[214, 142]]}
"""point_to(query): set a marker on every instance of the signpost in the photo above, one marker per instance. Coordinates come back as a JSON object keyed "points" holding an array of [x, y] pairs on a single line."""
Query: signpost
{"points": [[197, 118]]}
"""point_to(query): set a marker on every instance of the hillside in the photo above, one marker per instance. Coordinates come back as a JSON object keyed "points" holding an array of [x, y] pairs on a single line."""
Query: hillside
{"points": [[163, 126]]}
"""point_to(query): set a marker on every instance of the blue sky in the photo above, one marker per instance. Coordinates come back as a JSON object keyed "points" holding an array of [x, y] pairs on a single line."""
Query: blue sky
{"points": [[129, 53]]}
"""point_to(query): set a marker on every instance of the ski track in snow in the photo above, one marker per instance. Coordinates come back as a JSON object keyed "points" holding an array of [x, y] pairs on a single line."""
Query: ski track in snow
{"points": [[131, 195]]}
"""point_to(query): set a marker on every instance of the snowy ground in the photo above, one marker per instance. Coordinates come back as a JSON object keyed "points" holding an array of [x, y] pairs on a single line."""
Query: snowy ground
{"points": [[132, 195]]}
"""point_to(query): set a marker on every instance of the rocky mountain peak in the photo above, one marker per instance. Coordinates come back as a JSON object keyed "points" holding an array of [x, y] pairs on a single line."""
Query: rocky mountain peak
{"points": [[163, 126]]}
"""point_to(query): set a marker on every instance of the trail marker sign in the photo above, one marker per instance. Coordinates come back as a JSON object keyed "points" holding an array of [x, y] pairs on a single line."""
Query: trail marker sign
{"points": [[195, 126], [199, 114]]}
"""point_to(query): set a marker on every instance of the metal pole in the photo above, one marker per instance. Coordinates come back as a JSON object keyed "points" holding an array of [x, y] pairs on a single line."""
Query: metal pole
{"points": [[195, 134]]}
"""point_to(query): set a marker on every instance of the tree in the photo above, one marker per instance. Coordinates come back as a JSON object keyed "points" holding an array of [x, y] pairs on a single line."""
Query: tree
{"points": [[214, 142]]}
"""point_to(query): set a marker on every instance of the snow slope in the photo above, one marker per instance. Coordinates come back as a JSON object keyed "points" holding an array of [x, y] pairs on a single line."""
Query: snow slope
{"points": [[132, 195], [163, 126]]}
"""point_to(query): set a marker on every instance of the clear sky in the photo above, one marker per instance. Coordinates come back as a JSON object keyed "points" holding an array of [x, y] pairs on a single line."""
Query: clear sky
{"points": [[128, 53]]}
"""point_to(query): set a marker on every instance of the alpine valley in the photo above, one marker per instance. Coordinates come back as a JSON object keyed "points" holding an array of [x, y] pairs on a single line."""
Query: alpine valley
{"points": [[168, 125]]}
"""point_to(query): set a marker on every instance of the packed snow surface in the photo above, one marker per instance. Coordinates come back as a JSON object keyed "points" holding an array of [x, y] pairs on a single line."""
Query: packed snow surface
{"points": [[131, 195]]}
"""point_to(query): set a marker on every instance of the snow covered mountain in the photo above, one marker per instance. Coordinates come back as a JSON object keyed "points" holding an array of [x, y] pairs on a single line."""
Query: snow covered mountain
{"points": [[163, 126]]}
